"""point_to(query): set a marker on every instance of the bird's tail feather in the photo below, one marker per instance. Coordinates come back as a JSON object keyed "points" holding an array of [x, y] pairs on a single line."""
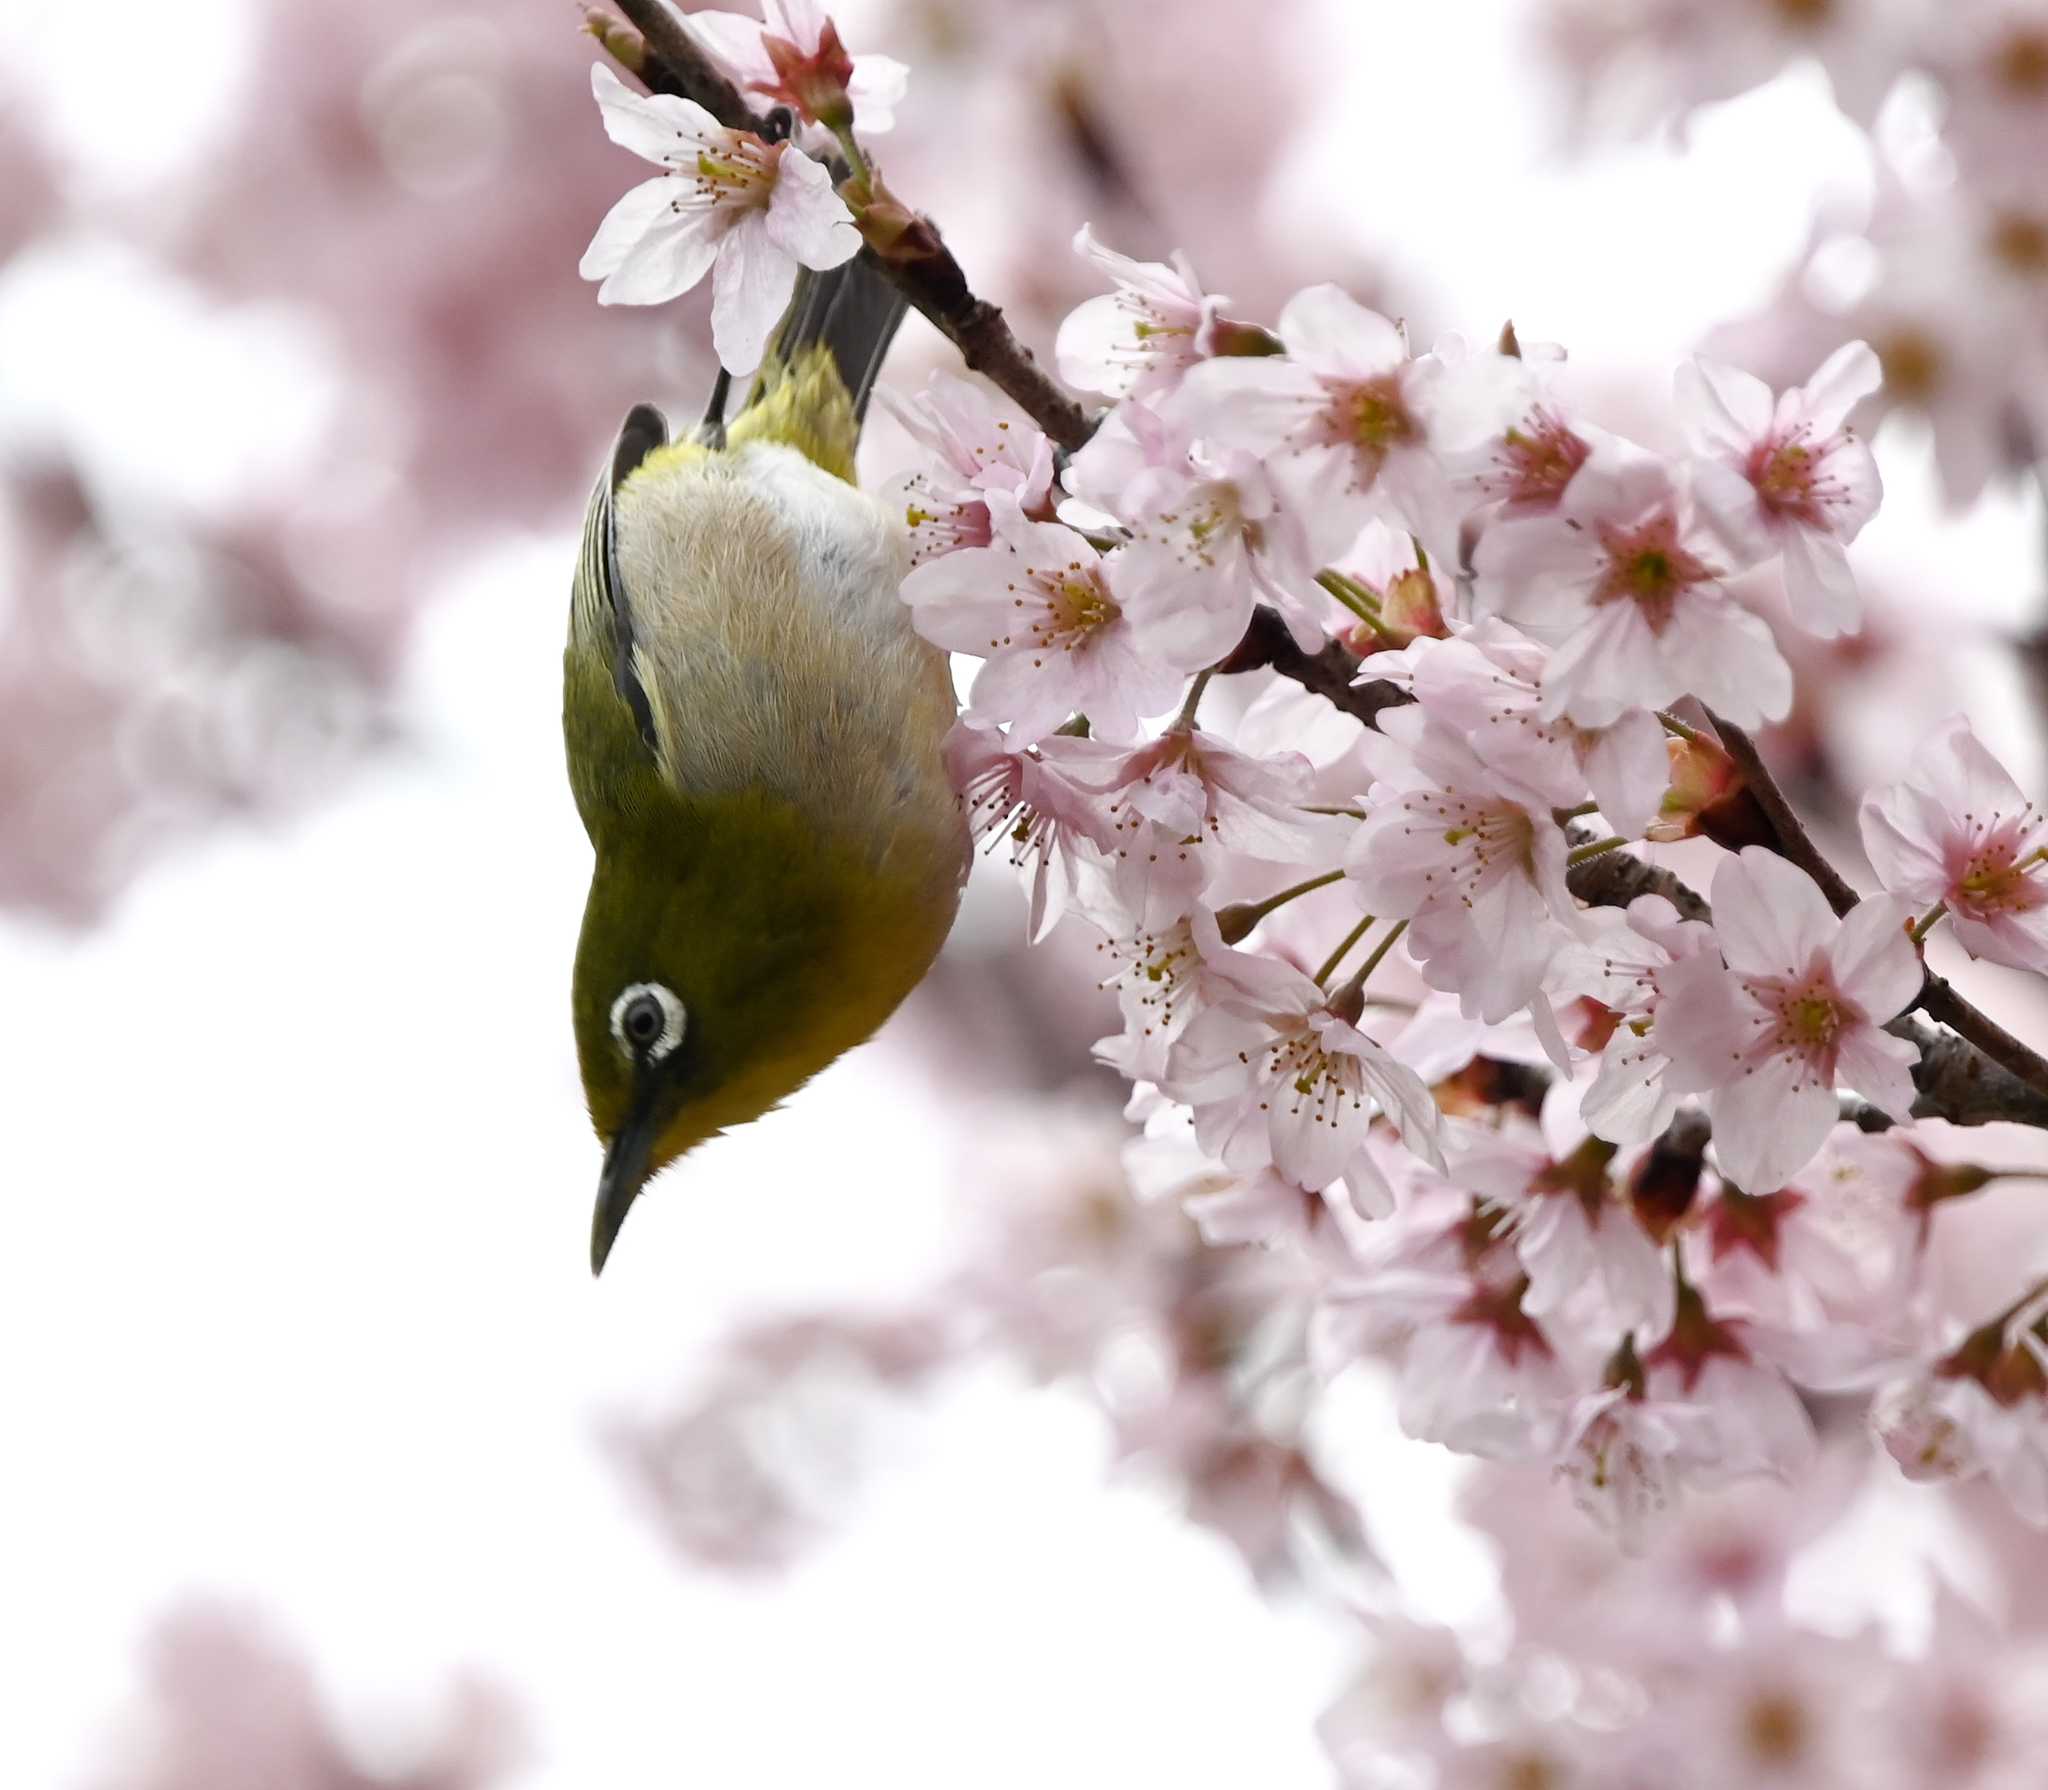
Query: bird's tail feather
{"points": [[813, 388], [852, 309]]}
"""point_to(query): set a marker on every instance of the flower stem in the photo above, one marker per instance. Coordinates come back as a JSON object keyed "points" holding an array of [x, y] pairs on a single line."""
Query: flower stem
{"points": [[1336, 957], [1238, 919], [1352, 595], [1372, 963], [1928, 921], [1185, 720], [1592, 849], [855, 161]]}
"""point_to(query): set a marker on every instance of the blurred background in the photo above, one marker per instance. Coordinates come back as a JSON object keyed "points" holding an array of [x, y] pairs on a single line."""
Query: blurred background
{"points": [[330, 1465]]}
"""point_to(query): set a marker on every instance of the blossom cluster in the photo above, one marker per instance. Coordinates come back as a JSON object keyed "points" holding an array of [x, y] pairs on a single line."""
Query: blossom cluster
{"points": [[1700, 1667], [1584, 1278], [1620, 1188]]}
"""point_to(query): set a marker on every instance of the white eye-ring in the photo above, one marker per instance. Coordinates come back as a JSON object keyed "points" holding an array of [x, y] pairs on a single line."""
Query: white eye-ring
{"points": [[647, 1021]]}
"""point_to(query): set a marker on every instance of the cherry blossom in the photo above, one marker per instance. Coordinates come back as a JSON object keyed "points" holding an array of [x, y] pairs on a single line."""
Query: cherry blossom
{"points": [[1716, 1361], [1618, 960], [1280, 1076], [1209, 537], [794, 58], [1623, 582], [976, 447], [1139, 340], [1787, 477], [1347, 417], [1798, 1007], [1022, 795], [1521, 468], [1044, 611], [1480, 1374], [1480, 873], [1182, 805], [1574, 1235], [1957, 830], [1626, 1458], [1486, 686], [745, 211], [1257, 1206], [1981, 1408]]}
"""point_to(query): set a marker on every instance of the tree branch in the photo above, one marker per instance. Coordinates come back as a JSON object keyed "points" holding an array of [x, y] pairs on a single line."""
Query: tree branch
{"points": [[1268, 645], [1937, 999], [914, 259]]}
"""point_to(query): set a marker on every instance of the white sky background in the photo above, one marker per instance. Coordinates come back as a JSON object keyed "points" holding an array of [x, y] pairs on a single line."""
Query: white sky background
{"points": [[293, 1292]]}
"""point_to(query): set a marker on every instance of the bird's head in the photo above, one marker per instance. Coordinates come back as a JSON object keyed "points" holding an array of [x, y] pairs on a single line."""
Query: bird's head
{"points": [[727, 955]]}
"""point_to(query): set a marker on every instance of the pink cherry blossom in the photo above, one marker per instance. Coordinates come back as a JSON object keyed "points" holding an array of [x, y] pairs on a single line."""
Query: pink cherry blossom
{"points": [[1798, 1007], [1479, 872], [1209, 537], [1788, 477], [1348, 418], [1522, 469], [1163, 979], [1619, 959], [1623, 582], [1486, 686], [1199, 787], [745, 211], [1042, 608], [1716, 1361], [978, 445], [794, 58], [1139, 340], [1950, 1426], [1256, 1206], [1022, 795], [1958, 831], [1833, 1295], [1482, 1376], [1573, 1233], [1278, 1076], [1628, 1459]]}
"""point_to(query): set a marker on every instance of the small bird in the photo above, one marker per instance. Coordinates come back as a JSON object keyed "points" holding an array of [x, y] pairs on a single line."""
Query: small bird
{"points": [[754, 738]]}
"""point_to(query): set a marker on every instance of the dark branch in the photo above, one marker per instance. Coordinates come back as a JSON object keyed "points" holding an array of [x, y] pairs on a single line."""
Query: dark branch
{"points": [[1267, 645], [1793, 840]]}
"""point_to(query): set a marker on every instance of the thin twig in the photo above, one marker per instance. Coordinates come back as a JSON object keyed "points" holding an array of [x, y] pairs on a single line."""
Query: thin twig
{"points": [[1328, 672], [1794, 841]]}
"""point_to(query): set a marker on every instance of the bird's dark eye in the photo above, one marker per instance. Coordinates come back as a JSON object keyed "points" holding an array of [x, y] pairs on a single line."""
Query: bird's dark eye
{"points": [[647, 1021]]}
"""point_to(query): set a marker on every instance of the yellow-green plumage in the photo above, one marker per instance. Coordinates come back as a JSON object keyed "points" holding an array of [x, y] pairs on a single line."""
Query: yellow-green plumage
{"points": [[775, 838]]}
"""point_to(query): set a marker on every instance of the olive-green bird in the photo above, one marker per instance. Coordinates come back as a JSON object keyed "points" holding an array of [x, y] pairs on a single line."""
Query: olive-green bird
{"points": [[754, 735]]}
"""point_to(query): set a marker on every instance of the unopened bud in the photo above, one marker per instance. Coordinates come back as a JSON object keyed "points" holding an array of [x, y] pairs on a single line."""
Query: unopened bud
{"points": [[620, 41], [815, 82], [1232, 335], [1708, 796]]}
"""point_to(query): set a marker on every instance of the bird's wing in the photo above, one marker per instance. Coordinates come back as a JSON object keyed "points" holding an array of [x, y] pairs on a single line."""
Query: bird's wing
{"points": [[601, 618]]}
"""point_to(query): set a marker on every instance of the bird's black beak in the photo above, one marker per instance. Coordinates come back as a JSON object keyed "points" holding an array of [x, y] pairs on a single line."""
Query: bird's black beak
{"points": [[626, 1166]]}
